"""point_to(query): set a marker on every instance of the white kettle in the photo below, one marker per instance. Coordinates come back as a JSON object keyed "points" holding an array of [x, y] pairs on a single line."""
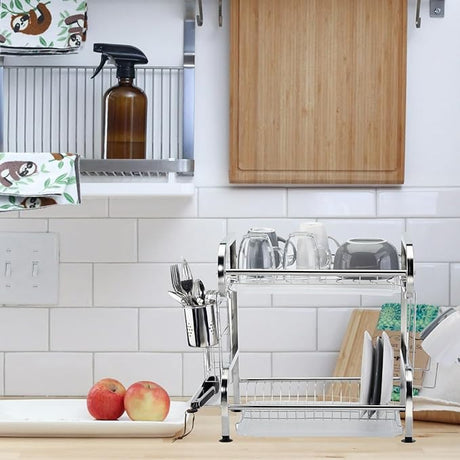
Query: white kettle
{"points": [[441, 338]]}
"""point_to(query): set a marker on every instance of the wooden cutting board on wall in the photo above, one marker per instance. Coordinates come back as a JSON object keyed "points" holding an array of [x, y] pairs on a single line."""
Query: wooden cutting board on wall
{"points": [[318, 91]]}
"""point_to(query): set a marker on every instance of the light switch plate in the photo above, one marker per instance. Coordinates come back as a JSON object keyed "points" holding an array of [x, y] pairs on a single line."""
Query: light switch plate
{"points": [[29, 268]]}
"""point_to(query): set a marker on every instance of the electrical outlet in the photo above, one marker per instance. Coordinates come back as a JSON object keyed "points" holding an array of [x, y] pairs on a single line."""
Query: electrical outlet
{"points": [[29, 268]]}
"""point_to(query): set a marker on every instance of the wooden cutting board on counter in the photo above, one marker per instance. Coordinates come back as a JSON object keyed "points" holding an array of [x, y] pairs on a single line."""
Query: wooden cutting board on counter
{"points": [[349, 360]]}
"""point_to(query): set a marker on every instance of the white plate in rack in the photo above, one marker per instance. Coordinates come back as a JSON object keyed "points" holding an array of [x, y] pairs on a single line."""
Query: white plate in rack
{"points": [[366, 369], [70, 418], [387, 370]]}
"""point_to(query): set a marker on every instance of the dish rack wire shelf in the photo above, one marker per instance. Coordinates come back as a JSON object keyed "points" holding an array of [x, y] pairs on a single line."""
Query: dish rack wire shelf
{"points": [[60, 109], [297, 406]]}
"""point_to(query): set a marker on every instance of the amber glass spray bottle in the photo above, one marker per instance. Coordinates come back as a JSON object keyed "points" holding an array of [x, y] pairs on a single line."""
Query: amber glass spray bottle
{"points": [[125, 106]]}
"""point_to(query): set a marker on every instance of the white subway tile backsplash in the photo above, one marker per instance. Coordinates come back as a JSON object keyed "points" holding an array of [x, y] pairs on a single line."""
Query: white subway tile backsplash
{"points": [[332, 324], [255, 365], [169, 240], [89, 208], [75, 285], [131, 285], [254, 297], [419, 203], [96, 240], [194, 372], [162, 368], [2, 374], [94, 329], [242, 202], [162, 329], [141, 285], [23, 329], [23, 225], [432, 283], [376, 301], [48, 374], [154, 207], [304, 364], [277, 329], [435, 240], [8, 215], [455, 284], [309, 203], [297, 297], [431, 286], [344, 229], [122, 262]]}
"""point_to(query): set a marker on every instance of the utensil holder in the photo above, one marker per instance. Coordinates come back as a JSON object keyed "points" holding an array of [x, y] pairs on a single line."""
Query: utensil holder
{"points": [[202, 324]]}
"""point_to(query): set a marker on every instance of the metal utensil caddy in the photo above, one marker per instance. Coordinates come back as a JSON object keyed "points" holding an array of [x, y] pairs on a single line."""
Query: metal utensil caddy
{"points": [[297, 402]]}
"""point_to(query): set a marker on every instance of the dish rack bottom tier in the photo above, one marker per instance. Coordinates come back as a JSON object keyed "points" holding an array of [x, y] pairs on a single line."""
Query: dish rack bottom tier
{"points": [[319, 423]]}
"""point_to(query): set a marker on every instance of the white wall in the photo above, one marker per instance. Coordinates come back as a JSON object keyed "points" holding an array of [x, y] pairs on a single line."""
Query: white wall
{"points": [[114, 317]]}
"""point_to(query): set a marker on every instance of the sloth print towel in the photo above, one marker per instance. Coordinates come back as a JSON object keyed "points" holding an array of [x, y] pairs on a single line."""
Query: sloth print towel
{"points": [[42, 27], [36, 180]]}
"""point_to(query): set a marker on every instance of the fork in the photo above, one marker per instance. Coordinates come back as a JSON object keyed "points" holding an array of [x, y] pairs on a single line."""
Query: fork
{"points": [[187, 278], [175, 279]]}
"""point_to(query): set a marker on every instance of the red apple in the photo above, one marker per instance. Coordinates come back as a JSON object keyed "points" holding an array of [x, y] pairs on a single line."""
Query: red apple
{"points": [[147, 401], [105, 399]]}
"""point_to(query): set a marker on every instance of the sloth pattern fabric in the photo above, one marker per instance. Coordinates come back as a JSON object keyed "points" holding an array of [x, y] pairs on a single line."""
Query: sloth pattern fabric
{"points": [[36, 180], [42, 27]]}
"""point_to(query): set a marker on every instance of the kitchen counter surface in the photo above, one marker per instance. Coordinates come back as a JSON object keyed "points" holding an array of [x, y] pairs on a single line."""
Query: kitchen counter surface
{"points": [[434, 440]]}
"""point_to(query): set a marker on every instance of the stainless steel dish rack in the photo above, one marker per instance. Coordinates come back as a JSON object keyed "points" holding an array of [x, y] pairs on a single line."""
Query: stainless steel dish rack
{"points": [[309, 406]]}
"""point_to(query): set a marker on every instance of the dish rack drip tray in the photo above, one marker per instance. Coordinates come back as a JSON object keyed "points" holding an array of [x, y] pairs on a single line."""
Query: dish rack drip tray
{"points": [[318, 423]]}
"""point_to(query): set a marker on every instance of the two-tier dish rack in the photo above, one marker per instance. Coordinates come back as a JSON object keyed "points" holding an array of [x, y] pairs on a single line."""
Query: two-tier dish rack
{"points": [[305, 406]]}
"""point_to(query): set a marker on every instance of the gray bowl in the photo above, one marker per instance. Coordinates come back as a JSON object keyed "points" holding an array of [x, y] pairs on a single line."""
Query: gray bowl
{"points": [[366, 254]]}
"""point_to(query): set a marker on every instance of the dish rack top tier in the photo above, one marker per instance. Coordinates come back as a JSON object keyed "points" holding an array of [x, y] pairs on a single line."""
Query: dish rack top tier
{"points": [[376, 282]]}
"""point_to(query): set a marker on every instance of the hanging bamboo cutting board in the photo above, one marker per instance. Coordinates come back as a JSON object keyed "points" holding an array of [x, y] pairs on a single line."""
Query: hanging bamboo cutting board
{"points": [[317, 91]]}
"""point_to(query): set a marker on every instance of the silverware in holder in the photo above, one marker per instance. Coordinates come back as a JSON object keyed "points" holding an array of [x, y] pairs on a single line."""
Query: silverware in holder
{"points": [[202, 323]]}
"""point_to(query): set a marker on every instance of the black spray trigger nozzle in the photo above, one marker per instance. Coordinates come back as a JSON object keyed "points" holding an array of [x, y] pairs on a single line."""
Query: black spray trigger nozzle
{"points": [[104, 59]]}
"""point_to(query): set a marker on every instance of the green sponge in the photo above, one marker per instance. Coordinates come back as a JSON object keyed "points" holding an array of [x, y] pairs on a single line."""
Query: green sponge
{"points": [[390, 317]]}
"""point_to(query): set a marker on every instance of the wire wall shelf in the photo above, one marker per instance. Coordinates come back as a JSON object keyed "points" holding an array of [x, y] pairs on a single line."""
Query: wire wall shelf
{"points": [[60, 109]]}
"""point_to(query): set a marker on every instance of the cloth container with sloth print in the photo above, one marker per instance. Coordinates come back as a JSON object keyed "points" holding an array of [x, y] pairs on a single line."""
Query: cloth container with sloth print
{"points": [[42, 26], [36, 180]]}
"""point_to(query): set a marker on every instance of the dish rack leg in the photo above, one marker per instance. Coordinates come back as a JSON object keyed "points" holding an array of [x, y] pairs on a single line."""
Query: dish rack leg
{"points": [[225, 419], [409, 415], [406, 390], [234, 346]]}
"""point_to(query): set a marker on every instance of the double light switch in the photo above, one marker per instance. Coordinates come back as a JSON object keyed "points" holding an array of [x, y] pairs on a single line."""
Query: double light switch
{"points": [[29, 268]]}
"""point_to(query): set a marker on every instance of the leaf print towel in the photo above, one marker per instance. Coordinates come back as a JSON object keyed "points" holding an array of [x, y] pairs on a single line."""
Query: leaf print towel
{"points": [[35, 180], [42, 26]]}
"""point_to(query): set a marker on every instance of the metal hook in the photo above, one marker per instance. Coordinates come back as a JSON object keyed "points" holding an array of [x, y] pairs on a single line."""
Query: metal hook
{"points": [[199, 16], [418, 19], [220, 13]]}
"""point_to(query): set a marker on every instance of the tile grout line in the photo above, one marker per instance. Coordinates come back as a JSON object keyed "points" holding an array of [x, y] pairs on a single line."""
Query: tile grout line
{"points": [[138, 329], [4, 373]]}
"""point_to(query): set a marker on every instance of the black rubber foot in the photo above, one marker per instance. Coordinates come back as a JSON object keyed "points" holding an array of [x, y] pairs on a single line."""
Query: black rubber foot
{"points": [[408, 440], [226, 439], [236, 410]]}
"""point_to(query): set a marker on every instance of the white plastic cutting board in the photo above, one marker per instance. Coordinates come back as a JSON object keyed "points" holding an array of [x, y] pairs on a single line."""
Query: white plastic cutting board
{"points": [[70, 417]]}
